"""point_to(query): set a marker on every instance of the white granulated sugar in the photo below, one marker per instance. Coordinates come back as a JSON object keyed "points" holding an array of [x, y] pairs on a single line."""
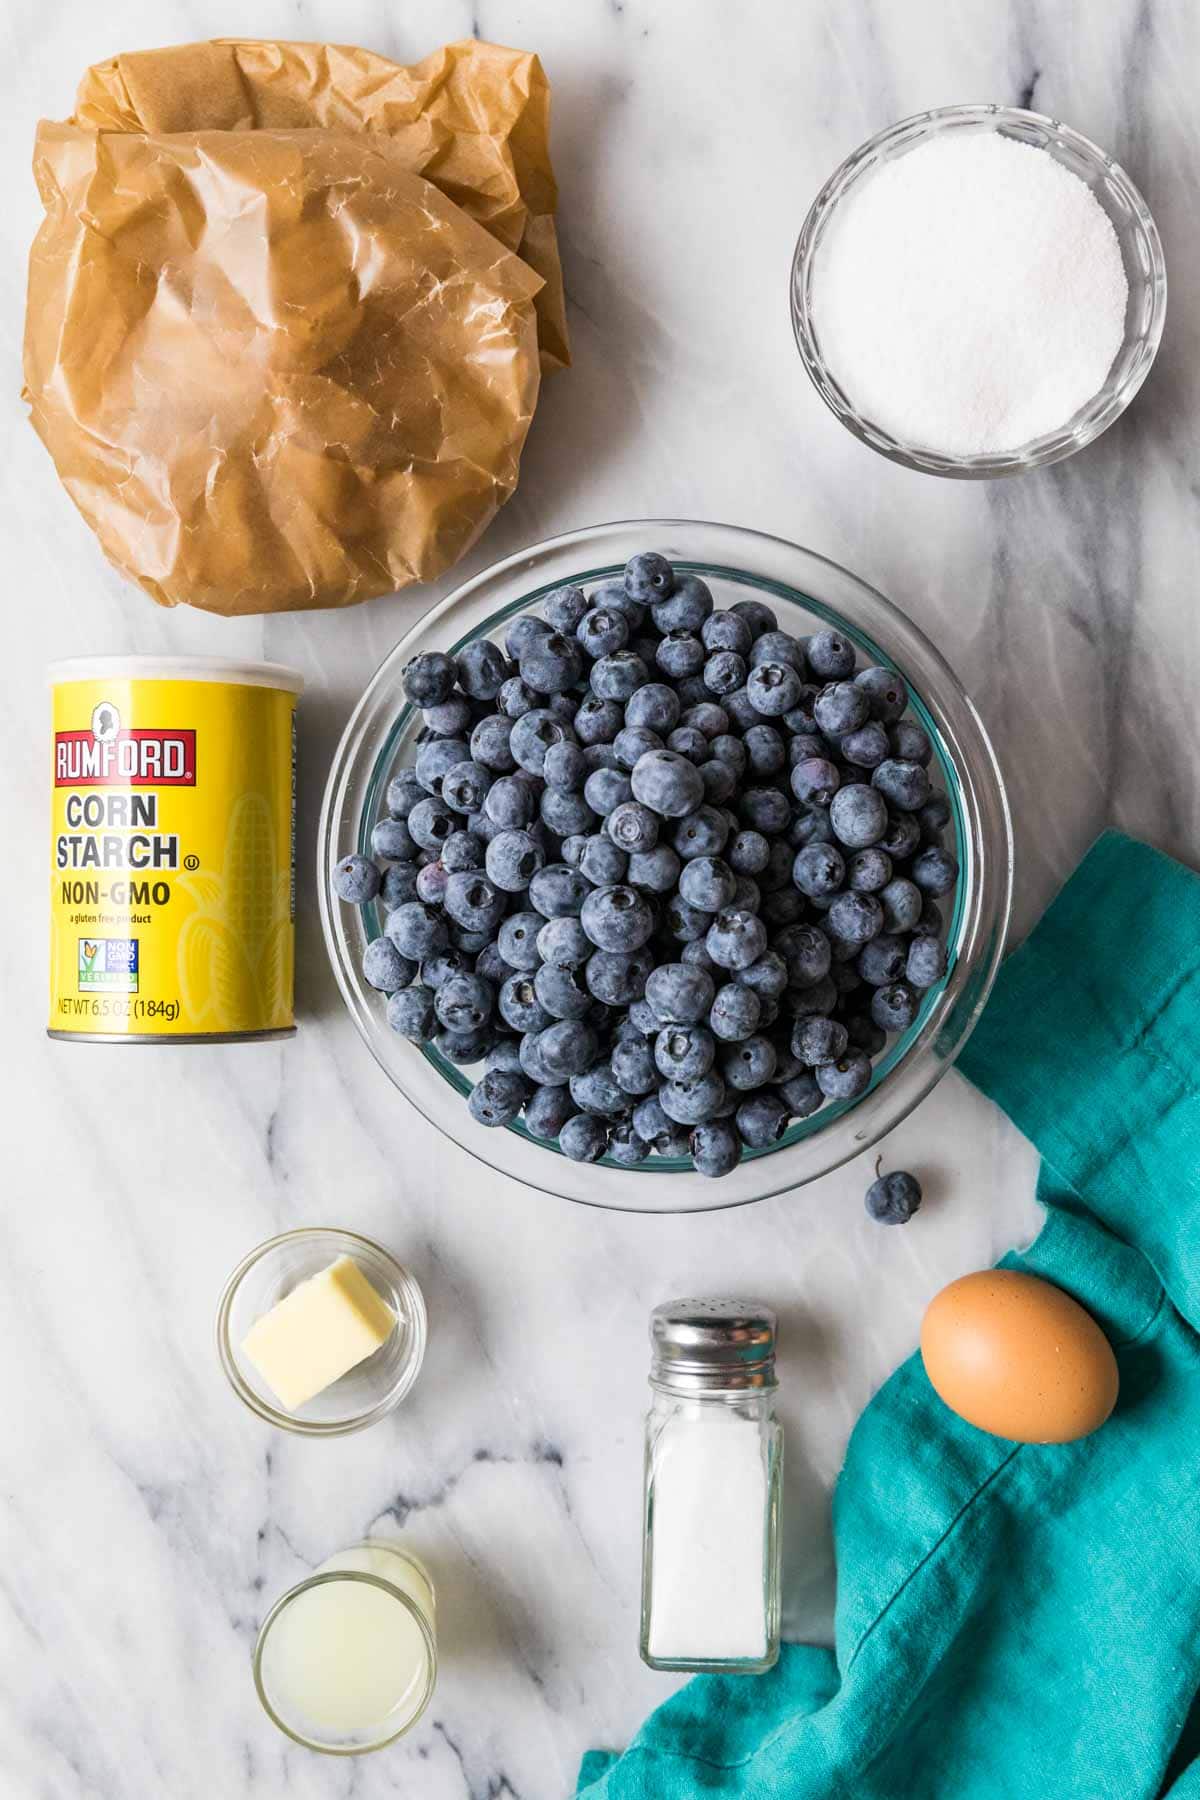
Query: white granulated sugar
{"points": [[970, 295]]}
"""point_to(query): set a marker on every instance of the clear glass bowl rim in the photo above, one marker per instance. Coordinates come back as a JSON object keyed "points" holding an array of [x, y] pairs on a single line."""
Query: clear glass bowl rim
{"points": [[405, 1282], [276, 1612], [1105, 407], [941, 1029]]}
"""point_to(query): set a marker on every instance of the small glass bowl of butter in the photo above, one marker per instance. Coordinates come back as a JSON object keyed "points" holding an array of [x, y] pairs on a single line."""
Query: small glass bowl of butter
{"points": [[321, 1332]]}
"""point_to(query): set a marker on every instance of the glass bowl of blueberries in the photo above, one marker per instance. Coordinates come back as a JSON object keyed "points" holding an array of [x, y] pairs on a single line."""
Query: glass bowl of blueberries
{"points": [[665, 866]]}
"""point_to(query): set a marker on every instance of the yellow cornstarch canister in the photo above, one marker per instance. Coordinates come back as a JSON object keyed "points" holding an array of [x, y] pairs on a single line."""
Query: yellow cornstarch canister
{"points": [[172, 850]]}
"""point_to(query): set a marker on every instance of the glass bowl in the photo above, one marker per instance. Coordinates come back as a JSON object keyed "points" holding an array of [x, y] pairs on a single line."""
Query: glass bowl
{"points": [[363, 1394], [1141, 252], [807, 592]]}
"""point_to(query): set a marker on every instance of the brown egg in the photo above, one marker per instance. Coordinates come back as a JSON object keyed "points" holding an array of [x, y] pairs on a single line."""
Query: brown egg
{"points": [[1016, 1356]]}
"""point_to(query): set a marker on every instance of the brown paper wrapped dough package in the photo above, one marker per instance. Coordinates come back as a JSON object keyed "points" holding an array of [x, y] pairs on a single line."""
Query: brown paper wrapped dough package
{"points": [[288, 312]]}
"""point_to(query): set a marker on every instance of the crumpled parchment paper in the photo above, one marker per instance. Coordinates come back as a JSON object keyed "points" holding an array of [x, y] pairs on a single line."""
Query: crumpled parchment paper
{"points": [[288, 311]]}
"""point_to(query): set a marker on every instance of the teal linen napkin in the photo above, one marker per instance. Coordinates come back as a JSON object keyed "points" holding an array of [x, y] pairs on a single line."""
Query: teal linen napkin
{"points": [[1020, 1620]]}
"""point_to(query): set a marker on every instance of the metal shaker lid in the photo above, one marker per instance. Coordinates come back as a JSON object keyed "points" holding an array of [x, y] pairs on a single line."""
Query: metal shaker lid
{"points": [[712, 1345]]}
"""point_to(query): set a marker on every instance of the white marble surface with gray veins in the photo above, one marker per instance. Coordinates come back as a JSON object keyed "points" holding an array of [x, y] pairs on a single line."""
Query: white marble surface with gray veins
{"points": [[147, 1521]]}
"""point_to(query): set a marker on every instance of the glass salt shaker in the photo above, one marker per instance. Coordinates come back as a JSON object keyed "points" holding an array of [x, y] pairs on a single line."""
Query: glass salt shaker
{"points": [[714, 1462]]}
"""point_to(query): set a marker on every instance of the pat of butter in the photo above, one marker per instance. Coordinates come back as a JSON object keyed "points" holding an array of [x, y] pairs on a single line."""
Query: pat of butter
{"points": [[324, 1327]]}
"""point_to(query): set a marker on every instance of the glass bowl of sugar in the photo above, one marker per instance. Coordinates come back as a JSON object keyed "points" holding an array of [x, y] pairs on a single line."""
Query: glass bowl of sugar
{"points": [[978, 291]]}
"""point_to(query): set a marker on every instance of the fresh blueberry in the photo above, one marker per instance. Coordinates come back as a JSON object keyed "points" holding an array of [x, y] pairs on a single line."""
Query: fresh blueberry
{"points": [[840, 707], [679, 994], [521, 634], [693, 1100], [761, 1119], [902, 902], [558, 892], [473, 901], [736, 939], [563, 942], [869, 871], [865, 1034], [505, 1057], [519, 1006], [511, 803], [399, 884], [904, 785], [885, 691], [687, 741], [617, 917], [451, 719], [553, 664], [901, 837], [687, 606], [548, 1111], [429, 679], [708, 883], [881, 961], [715, 1148], [463, 1002], [625, 1146], [765, 750], [820, 997], [634, 1067], [491, 744], [497, 1098], [631, 744], [773, 688], [649, 577], [749, 1064], [777, 646], [632, 827], [867, 747], [720, 782], [598, 721], [657, 870], [561, 992], [583, 1138], [724, 671], [493, 965], [926, 962], [819, 869], [933, 818], [606, 789], [806, 951], [846, 1078], [403, 792], [356, 880], [818, 1040], [893, 1008], [756, 615], [568, 1047], [462, 850], [654, 707], [595, 1090], [935, 871], [464, 1047], [518, 940], [910, 742], [858, 815], [815, 781], [416, 931], [482, 669], [765, 809], [768, 977], [801, 1094], [855, 918], [410, 1013], [464, 787], [680, 655], [683, 1052], [893, 1199], [432, 881], [619, 676], [512, 860], [515, 699], [667, 783], [533, 735], [385, 968], [603, 862], [564, 814], [563, 609], [618, 977], [726, 631], [391, 841], [830, 656], [431, 822], [749, 853], [602, 632]]}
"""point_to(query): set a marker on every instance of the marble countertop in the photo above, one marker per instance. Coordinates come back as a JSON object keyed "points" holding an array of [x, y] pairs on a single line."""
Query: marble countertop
{"points": [[147, 1520]]}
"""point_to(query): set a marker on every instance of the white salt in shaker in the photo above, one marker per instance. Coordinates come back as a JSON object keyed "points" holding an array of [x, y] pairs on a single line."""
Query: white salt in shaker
{"points": [[714, 1462]]}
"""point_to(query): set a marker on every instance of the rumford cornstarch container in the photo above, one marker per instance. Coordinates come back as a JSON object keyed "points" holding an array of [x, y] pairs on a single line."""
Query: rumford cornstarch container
{"points": [[172, 850]]}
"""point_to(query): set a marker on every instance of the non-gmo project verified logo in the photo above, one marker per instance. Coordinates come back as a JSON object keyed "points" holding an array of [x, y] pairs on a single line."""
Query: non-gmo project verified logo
{"points": [[108, 965]]}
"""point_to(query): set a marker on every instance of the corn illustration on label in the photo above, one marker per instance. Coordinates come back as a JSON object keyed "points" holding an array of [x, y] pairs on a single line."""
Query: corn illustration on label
{"points": [[172, 866]]}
